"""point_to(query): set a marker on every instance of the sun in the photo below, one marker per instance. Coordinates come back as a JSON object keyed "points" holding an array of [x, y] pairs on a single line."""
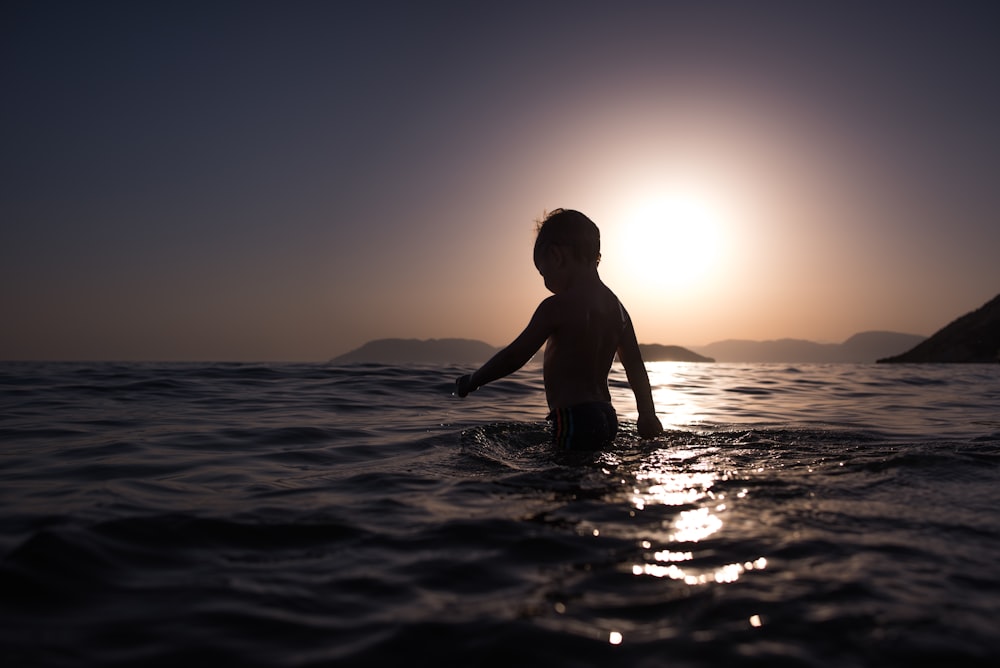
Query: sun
{"points": [[672, 240]]}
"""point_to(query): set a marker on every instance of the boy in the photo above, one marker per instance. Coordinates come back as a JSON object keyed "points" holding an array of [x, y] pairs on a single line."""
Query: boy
{"points": [[584, 325]]}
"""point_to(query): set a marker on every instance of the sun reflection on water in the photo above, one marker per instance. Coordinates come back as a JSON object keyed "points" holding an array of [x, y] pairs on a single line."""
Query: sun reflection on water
{"points": [[677, 408], [666, 478], [695, 525], [721, 575]]}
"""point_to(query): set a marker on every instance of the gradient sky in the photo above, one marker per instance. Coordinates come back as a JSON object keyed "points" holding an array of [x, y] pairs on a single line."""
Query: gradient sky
{"points": [[287, 180]]}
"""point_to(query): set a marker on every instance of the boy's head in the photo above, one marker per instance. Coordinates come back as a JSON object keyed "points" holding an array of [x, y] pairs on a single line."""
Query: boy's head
{"points": [[572, 230]]}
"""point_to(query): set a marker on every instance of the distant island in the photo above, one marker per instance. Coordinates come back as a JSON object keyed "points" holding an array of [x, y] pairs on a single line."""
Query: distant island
{"points": [[972, 338], [470, 351], [419, 351], [655, 352]]}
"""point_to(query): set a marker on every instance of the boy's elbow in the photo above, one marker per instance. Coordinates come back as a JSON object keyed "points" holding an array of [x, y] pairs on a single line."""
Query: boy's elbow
{"points": [[633, 363]]}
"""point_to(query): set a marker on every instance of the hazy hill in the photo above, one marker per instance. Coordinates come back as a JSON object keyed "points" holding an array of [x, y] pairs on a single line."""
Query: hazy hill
{"points": [[655, 352], [974, 337], [861, 348], [402, 351]]}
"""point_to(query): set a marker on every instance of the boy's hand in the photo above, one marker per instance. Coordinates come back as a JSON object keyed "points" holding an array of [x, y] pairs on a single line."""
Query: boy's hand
{"points": [[464, 385], [648, 425]]}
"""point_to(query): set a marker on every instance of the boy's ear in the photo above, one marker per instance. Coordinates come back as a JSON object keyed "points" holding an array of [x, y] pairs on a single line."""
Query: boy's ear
{"points": [[558, 255]]}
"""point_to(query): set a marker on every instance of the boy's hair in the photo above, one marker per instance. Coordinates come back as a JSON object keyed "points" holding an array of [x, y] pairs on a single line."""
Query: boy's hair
{"points": [[572, 229]]}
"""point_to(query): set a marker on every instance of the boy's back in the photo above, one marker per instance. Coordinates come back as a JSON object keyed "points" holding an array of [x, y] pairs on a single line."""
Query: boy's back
{"points": [[587, 329]]}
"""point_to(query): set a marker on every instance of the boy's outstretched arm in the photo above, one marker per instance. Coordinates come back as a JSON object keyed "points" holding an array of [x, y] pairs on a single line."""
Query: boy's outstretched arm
{"points": [[514, 356], [635, 370]]}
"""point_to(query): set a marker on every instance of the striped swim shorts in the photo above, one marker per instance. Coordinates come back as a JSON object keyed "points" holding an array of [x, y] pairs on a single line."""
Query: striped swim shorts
{"points": [[590, 426]]}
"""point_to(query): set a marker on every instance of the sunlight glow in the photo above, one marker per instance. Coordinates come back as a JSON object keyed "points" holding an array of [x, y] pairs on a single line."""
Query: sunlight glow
{"points": [[673, 238]]}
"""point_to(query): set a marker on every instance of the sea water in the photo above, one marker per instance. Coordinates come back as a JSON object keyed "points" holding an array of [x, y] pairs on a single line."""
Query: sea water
{"points": [[317, 515]]}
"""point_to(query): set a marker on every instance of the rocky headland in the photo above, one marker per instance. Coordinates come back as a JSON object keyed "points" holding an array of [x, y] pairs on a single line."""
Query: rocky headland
{"points": [[972, 338]]}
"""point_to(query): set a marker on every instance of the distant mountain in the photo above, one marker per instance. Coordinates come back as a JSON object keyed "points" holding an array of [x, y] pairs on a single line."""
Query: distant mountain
{"points": [[974, 337], [655, 352], [861, 348], [430, 351]]}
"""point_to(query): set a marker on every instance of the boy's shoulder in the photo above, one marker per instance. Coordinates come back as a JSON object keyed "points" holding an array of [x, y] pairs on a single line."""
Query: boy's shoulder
{"points": [[575, 303]]}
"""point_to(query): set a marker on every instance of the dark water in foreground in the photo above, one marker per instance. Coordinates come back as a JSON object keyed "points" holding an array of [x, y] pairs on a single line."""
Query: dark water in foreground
{"points": [[312, 515]]}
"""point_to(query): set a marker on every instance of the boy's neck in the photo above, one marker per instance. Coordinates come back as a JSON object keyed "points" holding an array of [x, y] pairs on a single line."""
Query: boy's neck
{"points": [[585, 274]]}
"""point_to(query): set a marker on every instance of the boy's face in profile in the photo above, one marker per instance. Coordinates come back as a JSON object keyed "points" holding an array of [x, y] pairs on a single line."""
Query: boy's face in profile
{"points": [[551, 263]]}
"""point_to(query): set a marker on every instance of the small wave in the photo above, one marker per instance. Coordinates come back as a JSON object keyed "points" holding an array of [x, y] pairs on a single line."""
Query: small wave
{"points": [[749, 390], [297, 435]]}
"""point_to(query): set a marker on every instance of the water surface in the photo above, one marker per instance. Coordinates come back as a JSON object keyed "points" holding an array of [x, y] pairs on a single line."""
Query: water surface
{"points": [[311, 515]]}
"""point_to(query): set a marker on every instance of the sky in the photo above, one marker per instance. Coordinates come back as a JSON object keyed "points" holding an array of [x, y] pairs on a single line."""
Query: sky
{"points": [[285, 181]]}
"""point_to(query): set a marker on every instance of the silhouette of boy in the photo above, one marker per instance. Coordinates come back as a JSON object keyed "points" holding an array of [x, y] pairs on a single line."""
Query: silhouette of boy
{"points": [[584, 325]]}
